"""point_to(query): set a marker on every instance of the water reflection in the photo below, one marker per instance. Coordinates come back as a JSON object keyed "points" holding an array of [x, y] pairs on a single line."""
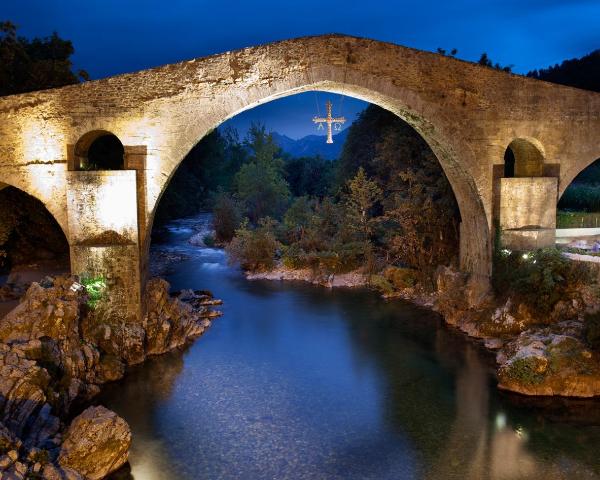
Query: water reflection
{"points": [[301, 382]]}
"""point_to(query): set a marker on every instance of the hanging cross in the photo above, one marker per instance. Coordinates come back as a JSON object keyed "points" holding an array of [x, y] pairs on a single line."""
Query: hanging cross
{"points": [[329, 120]]}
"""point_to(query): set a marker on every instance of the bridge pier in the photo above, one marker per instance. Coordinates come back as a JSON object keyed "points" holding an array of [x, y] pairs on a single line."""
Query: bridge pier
{"points": [[104, 236], [527, 213]]}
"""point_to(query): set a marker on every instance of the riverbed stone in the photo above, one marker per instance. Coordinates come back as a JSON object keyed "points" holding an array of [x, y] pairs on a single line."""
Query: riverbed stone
{"points": [[96, 443]]}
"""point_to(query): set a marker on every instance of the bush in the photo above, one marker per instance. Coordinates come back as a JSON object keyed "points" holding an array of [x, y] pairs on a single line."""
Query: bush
{"points": [[226, 217], [382, 284], [95, 287], [255, 249], [539, 278], [592, 330], [401, 278]]}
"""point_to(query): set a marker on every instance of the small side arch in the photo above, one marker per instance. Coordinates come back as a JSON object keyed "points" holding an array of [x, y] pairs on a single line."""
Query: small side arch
{"points": [[30, 232], [98, 150], [524, 157]]}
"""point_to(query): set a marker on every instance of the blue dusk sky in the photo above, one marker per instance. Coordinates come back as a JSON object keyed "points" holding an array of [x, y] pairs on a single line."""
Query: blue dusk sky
{"points": [[117, 36]]}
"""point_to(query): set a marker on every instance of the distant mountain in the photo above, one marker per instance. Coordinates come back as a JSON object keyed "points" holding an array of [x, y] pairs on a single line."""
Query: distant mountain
{"points": [[312, 145]]}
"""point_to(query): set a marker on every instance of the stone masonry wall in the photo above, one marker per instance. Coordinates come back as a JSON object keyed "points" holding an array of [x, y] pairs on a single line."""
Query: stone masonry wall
{"points": [[467, 113]]}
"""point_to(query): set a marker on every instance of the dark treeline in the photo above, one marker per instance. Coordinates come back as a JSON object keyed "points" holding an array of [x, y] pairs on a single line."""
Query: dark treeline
{"points": [[581, 72], [36, 64]]}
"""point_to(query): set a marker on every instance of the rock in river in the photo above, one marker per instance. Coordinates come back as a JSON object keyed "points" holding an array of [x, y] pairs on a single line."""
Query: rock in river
{"points": [[96, 443]]}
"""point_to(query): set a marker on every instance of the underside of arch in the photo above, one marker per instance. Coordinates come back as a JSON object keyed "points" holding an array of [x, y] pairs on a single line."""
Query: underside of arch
{"points": [[454, 155]]}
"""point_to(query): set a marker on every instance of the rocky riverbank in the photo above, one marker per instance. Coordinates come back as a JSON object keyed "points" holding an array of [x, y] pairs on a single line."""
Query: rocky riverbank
{"points": [[350, 279], [56, 353], [537, 354]]}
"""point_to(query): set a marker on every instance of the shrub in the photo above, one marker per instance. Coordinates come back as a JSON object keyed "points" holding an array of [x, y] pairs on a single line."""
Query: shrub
{"points": [[255, 249], [401, 278], [539, 278], [382, 284], [226, 217], [95, 287], [592, 330]]}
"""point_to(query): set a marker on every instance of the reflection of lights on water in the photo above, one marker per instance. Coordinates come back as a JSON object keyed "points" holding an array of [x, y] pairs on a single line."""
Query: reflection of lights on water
{"points": [[500, 421], [506, 252]]}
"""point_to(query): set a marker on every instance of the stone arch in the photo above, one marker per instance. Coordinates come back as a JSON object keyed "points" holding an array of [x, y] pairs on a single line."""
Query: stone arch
{"points": [[524, 157], [578, 167], [52, 200], [44, 215], [98, 150], [454, 154]]}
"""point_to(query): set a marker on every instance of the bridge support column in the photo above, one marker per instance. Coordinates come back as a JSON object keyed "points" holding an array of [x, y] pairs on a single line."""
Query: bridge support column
{"points": [[527, 213], [103, 230]]}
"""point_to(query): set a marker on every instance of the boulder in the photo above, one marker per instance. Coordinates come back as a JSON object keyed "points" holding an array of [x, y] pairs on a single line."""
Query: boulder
{"points": [[44, 312], [549, 361], [96, 443]]}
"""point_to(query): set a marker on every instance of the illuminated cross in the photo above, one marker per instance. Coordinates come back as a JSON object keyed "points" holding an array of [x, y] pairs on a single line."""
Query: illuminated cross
{"points": [[329, 120]]}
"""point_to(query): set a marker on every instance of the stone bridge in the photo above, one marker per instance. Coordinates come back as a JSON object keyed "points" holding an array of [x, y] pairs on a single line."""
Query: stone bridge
{"points": [[483, 125]]}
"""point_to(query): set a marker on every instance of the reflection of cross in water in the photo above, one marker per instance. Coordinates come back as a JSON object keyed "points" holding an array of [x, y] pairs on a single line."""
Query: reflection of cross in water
{"points": [[329, 120]]}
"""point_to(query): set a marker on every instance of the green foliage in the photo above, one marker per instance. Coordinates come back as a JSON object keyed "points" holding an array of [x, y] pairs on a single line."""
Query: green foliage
{"points": [[259, 184], [592, 330], [524, 371], [382, 284], [298, 219], [309, 176], [27, 65], [577, 219], [255, 248], [417, 217], [581, 197], [363, 194], [195, 183], [401, 278], [539, 278], [226, 217], [95, 287]]}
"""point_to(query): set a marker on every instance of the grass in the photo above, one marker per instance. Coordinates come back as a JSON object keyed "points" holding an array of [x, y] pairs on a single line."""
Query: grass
{"points": [[567, 219]]}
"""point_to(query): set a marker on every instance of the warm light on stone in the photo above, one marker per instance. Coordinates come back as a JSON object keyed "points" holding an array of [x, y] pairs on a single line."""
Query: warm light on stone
{"points": [[468, 114]]}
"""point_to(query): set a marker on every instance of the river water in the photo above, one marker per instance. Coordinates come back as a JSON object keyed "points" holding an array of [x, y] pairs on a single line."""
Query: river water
{"points": [[301, 382]]}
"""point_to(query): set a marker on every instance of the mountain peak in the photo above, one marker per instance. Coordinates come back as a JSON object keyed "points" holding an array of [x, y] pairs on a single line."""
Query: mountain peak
{"points": [[312, 145]]}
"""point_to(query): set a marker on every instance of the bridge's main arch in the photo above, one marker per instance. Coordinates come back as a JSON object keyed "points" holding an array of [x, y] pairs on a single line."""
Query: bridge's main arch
{"points": [[468, 114], [451, 152]]}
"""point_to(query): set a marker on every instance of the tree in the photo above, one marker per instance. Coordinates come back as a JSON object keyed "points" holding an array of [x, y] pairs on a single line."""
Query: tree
{"points": [[259, 184], [226, 217], [255, 248], [298, 219], [27, 65], [312, 176], [581, 72], [362, 196], [487, 62]]}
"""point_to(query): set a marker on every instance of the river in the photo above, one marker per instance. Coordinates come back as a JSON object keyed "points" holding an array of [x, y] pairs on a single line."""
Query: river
{"points": [[301, 382]]}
